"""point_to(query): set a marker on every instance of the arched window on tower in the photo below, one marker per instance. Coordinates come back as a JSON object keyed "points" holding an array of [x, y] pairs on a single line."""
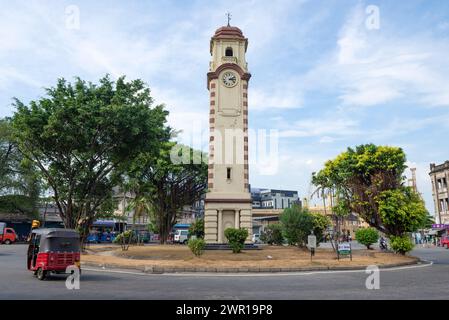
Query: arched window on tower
{"points": [[229, 52]]}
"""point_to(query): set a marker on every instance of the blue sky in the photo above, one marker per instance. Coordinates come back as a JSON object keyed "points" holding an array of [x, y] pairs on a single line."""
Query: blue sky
{"points": [[320, 77]]}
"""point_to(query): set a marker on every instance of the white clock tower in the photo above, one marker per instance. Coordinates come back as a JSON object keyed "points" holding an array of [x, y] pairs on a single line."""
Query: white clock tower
{"points": [[228, 201]]}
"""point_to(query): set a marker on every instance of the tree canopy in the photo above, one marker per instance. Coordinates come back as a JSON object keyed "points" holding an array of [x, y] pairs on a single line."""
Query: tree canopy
{"points": [[368, 180], [20, 184], [298, 223], [83, 136], [168, 186]]}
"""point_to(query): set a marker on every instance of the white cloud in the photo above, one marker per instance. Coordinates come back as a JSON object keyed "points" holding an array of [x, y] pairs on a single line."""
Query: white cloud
{"points": [[319, 127], [274, 98], [371, 67]]}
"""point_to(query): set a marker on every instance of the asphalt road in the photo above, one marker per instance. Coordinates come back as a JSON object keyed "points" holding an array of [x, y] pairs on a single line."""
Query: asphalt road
{"points": [[417, 282]]}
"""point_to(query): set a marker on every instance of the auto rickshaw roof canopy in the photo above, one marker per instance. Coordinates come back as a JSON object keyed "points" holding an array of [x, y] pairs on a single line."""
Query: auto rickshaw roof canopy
{"points": [[57, 233]]}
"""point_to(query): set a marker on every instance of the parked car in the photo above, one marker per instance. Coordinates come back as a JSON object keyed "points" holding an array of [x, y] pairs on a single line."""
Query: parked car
{"points": [[181, 236], [445, 242], [7, 235]]}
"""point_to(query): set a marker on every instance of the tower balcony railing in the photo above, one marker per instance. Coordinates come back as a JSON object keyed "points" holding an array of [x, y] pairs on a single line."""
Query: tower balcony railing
{"points": [[229, 59]]}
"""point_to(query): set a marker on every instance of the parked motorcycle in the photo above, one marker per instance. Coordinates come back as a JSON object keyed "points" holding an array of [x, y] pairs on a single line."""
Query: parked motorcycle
{"points": [[383, 244]]}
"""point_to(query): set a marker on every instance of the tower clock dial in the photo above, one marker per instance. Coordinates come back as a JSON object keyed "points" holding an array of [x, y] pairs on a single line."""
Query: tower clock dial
{"points": [[229, 79]]}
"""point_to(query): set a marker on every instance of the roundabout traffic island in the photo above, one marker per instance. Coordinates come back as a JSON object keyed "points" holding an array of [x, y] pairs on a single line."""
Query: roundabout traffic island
{"points": [[179, 259]]}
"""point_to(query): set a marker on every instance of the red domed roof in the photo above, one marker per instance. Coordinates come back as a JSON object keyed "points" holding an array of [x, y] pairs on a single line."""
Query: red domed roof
{"points": [[228, 32]]}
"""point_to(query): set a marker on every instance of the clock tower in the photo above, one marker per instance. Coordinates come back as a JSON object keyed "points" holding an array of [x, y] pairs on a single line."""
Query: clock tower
{"points": [[228, 200]]}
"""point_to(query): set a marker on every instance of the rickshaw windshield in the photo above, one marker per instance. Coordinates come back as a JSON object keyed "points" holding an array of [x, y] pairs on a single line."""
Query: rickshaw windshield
{"points": [[64, 244]]}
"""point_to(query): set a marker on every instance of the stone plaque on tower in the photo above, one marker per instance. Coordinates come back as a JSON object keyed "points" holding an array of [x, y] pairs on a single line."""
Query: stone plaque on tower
{"points": [[228, 200]]}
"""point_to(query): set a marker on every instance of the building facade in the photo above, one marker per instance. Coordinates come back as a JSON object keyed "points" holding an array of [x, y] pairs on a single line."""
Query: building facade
{"points": [[273, 198], [228, 202], [439, 176]]}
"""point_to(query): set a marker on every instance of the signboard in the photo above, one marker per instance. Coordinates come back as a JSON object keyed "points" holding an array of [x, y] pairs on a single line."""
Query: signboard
{"points": [[440, 226], [311, 241], [344, 249], [311, 244]]}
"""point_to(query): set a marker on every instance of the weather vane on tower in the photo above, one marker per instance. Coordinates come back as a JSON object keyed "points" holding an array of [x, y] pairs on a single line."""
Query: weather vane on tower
{"points": [[228, 15]]}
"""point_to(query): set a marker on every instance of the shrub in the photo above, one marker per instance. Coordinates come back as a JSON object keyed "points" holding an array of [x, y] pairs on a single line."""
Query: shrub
{"points": [[197, 246], [129, 237], [197, 229], [401, 244], [298, 223], [367, 236], [272, 234], [236, 238]]}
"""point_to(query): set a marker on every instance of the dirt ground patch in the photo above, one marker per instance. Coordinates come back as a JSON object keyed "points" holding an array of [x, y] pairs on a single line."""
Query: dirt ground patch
{"points": [[178, 256]]}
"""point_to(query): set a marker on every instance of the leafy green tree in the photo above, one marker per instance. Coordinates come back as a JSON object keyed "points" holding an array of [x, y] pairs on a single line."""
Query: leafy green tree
{"points": [[360, 177], [272, 234], [236, 238], [168, 185], [13, 203], [10, 157], [20, 183], [320, 224], [197, 228], [367, 236], [401, 244], [401, 211], [83, 136], [298, 223]]}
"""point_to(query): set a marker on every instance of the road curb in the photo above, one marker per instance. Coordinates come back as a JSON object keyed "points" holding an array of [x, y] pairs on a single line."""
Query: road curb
{"points": [[251, 270]]}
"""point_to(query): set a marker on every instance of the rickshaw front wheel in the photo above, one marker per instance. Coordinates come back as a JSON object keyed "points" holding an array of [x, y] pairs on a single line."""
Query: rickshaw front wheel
{"points": [[41, 274]]}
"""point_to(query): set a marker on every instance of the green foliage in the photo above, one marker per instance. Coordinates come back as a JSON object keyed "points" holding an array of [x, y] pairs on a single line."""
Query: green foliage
{"points": [[427, 222], [152, 227], [401, 244], [126, 237], [20, 182], [362, 177], [320, 224], [298, 223], [236, 238], [197, 246], [83, 136], [401, 210], [272, 234], [197, 228], [168, 185], [18, 204], [367, 236]]}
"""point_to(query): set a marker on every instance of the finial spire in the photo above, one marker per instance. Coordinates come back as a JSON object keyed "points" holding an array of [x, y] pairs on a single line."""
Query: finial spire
{"points": [[228, 15]]}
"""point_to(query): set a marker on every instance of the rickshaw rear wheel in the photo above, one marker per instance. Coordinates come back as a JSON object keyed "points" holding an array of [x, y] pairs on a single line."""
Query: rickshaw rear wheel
{"points": [[41, 274]]}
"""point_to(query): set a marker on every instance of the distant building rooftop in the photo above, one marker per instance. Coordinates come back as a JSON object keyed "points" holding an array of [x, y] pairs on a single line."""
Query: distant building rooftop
{"points": [[440, 167]]}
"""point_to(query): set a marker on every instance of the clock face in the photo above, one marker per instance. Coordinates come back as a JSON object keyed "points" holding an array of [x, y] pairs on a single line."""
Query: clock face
{"points": [[229, 79]]}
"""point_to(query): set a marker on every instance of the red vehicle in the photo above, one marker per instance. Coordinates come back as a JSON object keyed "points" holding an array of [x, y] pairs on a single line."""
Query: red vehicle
{"points": [[445, 242], [7, 235], [53, 250]]}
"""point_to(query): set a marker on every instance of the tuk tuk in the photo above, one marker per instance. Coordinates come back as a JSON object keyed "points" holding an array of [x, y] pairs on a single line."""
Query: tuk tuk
{"points": [[52, 250]]}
